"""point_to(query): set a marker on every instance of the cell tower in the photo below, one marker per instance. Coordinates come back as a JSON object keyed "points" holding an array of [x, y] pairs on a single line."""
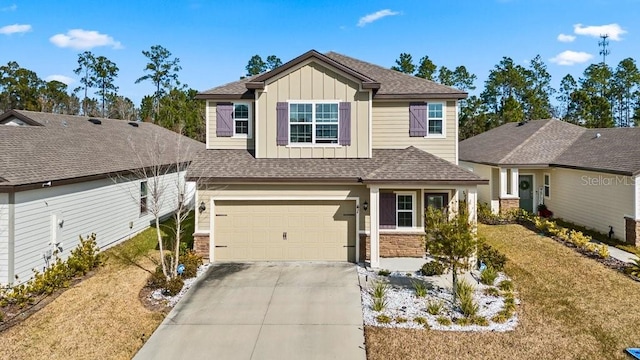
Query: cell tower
{"points": [[603, 44]]}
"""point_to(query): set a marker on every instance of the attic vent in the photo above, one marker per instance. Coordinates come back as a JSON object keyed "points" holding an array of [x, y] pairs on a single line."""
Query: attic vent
{"points": [[95, 121], [133, 123]]}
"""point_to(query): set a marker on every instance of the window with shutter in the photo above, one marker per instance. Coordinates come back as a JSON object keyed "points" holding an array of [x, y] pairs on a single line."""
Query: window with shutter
{"points": [[387, 210], [224, 119], [417, 119]]}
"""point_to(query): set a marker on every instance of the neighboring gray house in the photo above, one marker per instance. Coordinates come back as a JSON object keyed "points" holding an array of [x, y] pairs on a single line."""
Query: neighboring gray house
{"points": [[63, 176], [587, 176]]}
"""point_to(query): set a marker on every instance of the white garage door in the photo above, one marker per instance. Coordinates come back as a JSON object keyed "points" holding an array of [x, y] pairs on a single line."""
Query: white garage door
{"points": [[284, 231]]}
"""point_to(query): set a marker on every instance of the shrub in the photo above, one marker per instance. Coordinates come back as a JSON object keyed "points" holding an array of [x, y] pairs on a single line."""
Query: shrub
{"points": [[85, 256], [173, 286], [400, 320], [578, 238], [379, 304], [479, 320], [434, 307], [463, 321], [501, 317], [562, 234], [434, 267], [591, 247], [420, 320], [463, 289], [444, 321], [505, 285], [191, 262], [633, 268], [464, 292], [488, 276], [384, 272], [509, 303], [491, 257], [603, 251], [420, 288], [379, 289], [486, 216], [491, 291], [383, 319]]}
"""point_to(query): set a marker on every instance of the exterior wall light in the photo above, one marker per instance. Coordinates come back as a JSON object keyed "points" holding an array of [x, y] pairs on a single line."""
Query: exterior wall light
{"points": [[365, 206], [202, 207]]}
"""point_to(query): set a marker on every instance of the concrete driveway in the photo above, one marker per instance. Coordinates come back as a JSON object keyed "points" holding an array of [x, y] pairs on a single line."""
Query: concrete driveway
{"points": [[265, 311]]}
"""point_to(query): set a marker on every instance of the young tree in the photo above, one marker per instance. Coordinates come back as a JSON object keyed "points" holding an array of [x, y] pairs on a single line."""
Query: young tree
{"points": [[84, 69], [426, 69], [405, 64], [162, 72], [103, 75], [450, 239]]}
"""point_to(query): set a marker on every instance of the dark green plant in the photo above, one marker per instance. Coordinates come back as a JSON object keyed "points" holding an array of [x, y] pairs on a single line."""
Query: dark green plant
{"points": [[384, 272], [433, 268], [444, 321], [173, 286], [383, 319], [420, 288], [505, 285], [434, 307], [491, 257], [488, 276]]}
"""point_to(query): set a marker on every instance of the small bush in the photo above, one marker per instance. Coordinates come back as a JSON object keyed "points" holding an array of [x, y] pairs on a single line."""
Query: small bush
{"points": [[173, 286], [505, 285], [633, 269], [191, 262], [509, 303], [420, 320], [578, 238], [384, 272], [479, 320], [434, 307], [85, 256], [400, 320], [501, 317], [491, 291], [433, 268], [463, 289], [491, 257], [383, 319], [465, 299], [603, 251], [420, 288], [379, 304], [444, 321], [379, 289], [563, 234], [488, 276], [486, 216], [462, 321]]}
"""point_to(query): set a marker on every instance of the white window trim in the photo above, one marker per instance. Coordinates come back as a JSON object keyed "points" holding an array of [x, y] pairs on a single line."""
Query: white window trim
{"points": [[444, 121], [413, 210], [145, 197], [545, 185], [313, 123], [250, 132]]}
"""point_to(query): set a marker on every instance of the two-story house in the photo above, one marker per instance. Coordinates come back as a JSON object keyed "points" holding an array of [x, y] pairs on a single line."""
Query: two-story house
{"points": [[326, 158]]}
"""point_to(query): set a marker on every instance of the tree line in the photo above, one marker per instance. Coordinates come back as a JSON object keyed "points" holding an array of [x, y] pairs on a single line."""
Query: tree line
{"points": [[172, 105]]}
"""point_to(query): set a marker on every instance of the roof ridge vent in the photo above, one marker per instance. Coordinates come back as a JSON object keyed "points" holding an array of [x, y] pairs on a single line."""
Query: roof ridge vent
{"points": [[95, 121]]}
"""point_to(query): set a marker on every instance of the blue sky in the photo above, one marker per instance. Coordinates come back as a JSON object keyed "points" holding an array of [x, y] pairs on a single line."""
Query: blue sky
{"points": [[215, 39]]}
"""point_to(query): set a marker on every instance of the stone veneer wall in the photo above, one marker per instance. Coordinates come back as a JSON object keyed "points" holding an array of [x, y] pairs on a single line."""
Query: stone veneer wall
{"points": [[632, 228], [507, 205], [201, 245], [394, 245]]}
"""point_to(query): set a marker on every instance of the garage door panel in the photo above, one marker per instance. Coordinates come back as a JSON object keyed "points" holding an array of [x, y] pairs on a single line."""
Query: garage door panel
{"points": [[315, 230]]}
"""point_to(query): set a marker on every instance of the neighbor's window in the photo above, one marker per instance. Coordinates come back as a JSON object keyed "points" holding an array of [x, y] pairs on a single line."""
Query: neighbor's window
{"points": [[436, 119], [547, 185], [313, 123], [240, 119], [404, 210], [143, 198]]}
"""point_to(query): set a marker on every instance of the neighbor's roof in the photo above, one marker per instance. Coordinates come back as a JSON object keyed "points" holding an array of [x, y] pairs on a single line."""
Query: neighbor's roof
{"points": [[556, 143], [65, 147], [386, 83], [386, 165]]}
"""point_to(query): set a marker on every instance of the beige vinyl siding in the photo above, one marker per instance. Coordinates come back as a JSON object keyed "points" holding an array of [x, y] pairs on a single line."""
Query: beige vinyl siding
{"points": [[391, 129], [484, 171], [101, 207], [595, 200], [311, 81], [227, 143], [279, 192], [4, 238]]}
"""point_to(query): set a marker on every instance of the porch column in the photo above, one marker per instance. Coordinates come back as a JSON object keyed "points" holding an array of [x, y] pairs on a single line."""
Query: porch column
{"points": [[472, 201], [374, 238], [514, 182], [503, 182]]}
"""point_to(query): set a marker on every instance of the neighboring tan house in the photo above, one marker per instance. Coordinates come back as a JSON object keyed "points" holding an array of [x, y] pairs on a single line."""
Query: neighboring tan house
{"points": [[326, 158], [586, 176], [64, 176]]}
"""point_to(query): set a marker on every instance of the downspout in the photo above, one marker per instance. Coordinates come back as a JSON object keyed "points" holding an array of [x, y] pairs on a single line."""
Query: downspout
{"points": [[11, 244]]}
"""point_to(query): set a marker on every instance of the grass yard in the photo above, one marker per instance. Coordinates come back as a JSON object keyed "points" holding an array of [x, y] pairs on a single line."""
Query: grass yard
{"points": [[99, 318], [572, 308]]}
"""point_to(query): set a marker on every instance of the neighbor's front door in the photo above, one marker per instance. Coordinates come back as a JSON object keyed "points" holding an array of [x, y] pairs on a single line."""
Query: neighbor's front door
{"points": [[525, 186]]}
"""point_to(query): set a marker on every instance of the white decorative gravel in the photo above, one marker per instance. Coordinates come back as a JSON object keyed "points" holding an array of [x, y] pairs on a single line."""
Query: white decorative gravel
{"points": [[402, 302], [171, 301]]}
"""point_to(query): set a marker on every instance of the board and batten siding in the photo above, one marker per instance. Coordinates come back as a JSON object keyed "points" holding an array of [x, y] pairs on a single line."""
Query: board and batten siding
{"points": [[227, 143], [391, 129], [110, 210], [4, 238], [311, 81], [592, 199], [278, 191]]}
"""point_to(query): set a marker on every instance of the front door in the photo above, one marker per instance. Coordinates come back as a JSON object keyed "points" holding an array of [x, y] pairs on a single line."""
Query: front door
{"points": [[525, 186]]}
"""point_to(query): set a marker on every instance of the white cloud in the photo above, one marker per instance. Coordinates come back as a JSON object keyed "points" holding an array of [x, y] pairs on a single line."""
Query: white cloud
{"points": [[613, 30], [80, 39], [369, 18], [569, 58], [566, 38], [15, 28], [62, 78], [12, 7]]}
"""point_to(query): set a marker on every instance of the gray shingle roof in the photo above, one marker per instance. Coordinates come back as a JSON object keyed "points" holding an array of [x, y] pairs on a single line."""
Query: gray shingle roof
{"points": [[393, 84], [386, 165], [556, 143], [68, 147]]}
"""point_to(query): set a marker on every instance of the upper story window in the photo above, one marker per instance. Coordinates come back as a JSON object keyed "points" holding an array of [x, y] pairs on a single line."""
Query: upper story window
{"points": [[241, 115], [313, 123], [436, 119]]}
